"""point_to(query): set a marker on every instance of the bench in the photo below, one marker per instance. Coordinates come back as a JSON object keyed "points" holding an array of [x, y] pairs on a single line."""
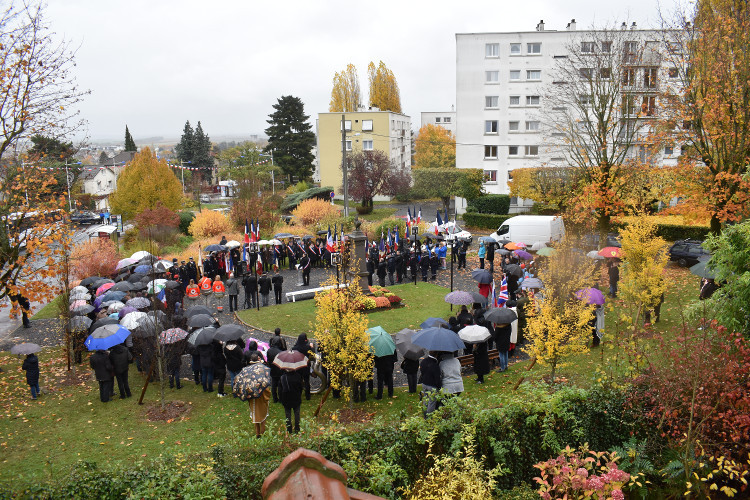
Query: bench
{"points": [[309, 293], [468, 360]]}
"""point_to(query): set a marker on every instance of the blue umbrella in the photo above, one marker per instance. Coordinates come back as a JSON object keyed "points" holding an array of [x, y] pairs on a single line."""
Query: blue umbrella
{"points": [[433, 322], [143, 269], [106, 336], [438, 339], [112, 296]]}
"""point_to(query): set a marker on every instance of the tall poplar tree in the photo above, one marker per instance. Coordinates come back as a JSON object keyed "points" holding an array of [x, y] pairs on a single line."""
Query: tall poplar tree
{"points": [[290, 138], [129, 142], [384, 93], [346, 95]]}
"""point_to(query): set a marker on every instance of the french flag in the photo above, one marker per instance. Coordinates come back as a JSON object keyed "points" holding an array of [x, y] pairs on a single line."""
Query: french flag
{"points": [[329, 241], [247, 241], [252, 232], [395, 238], [257, 229], [419, 215]]}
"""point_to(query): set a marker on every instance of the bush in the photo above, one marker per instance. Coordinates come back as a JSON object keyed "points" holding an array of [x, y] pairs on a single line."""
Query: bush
{"points": [[313, 211], [674, 232], [364, 210], [387, 224], [209, 223], [186, 218], [97, 257], [497, 204], [292, 200], [485, 221]]}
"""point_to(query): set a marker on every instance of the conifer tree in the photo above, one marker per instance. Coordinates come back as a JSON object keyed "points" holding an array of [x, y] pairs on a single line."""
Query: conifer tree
{"points": [[184, 149], [291, 138], [202, 149], [129, 142]]}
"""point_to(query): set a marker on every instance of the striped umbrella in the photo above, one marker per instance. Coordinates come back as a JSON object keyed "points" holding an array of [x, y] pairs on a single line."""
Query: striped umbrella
{"points": [[290, 360]]}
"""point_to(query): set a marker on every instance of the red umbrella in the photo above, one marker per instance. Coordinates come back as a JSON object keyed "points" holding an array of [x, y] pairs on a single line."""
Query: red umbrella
{"points": [[290, 360], [610, 252], [104, 288]]}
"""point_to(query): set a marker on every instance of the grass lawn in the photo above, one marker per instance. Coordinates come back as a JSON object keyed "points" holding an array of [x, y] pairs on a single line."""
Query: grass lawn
{"points": [[420, 302], [50, 311], [378, 214]]}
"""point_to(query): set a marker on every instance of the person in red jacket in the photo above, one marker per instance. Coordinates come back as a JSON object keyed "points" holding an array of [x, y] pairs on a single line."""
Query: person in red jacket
{"points": [[192, 290]]}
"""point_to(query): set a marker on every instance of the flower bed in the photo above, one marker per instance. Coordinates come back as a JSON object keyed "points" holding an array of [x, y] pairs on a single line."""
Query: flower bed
{"points": [[382, 298]]}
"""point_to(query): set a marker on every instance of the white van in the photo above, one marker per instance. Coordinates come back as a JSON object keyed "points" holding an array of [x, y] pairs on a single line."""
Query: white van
{"points": [[529, 229]]}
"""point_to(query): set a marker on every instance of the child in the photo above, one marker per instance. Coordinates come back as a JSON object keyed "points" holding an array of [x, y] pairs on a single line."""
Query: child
{"points": [[31, 366]]}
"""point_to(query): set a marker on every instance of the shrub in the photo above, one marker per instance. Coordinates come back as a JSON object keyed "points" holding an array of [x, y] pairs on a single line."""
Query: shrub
{"points": [[674, 232], [186, 217], [312, 211], [209, 223], [382, 302], [292, 200], [253, 208], [497, 204], [97, 257], [387, 224], [394, 299], [364, 210], [484, 221], [158, 223]]}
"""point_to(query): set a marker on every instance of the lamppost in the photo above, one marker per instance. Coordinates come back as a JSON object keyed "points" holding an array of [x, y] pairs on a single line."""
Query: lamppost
{"points": [[417, 250], [336, 261], [67, 178], [23, 170]]}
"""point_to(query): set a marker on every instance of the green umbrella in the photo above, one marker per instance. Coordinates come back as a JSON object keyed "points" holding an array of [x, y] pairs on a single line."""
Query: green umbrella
{"points": [[546, 252], [701, 269], [381, 341]]}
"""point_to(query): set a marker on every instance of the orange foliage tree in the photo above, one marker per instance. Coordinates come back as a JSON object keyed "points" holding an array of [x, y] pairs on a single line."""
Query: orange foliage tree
{"points": [[435, 147], [97, 257], [313, 210], [209, 223], [384, 93], [345, 95]]}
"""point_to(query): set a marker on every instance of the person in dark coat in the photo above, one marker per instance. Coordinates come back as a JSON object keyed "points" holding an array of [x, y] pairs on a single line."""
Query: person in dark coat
{"points": [[491, 256], [303, 346], [434, 265], [264, 286], [250, 283], [429, 375], [414, 265], [120, 357], [370, 268], [411, 368], [252, 347], [614, 277], [278, 281], [462, 254], [391, 265], [174, 362], [290, 394], [382, 271], [481, 361], [233, 290], [220, 367], [502, 341], [235, 359], [305, 265], [103, 369], [282, 342], [205, 351], [31, 367], [275, 347], [384, 365], [196, 363], [464, 317], [192, 270], [424, 264]]}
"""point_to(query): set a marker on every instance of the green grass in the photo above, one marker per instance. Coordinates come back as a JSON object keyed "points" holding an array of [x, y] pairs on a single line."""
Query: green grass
{"points": [[420, 302], [50, 311], [210, 206], [378, 214]]}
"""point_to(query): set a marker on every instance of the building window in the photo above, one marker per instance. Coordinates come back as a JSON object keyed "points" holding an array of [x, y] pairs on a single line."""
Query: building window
{"points": [[515, 49], [586, 73], [533, 74], [534, 48], [513, 126], [606, 47], [447, 119], [367, 125], [650, 77], [437, 119], [367, 146], [531, 150], [532, 126], [490, 127], [588, 47], [512, 150], [491, 50], [668, 150], [491, 76], [628, 77], [490, 176], [585, 99], [490, 101], [515, 74], [674, 72], [605, 73], [348, 145], [648, 107], [532, 100], [628, 105], [348, 124], [631, 52], [490, 152], [515, 100]]}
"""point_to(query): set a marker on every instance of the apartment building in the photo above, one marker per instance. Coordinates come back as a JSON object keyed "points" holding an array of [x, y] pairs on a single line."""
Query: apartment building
{"points": [[445, 119], [365, 131], [505, 93]]}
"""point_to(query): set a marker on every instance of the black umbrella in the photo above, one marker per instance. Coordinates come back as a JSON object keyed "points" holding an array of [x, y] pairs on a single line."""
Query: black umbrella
{"points": [[25, 348], [146, 278], [123, 286], [82, 310], [321, 233], [101, 322], [203, 336], [172, 284], [214, 248], [514, 269], [482, 276], [135, 277], [503, 251], [101, 281], [138, 287], [479, 298], [225, 333], [80, 323], [90, 280], [158, 316], [500, 315], [197, 310], [201, 320]]}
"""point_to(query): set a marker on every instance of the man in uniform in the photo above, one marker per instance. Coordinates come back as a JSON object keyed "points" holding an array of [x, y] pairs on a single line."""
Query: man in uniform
{"points": [[277, 281]]}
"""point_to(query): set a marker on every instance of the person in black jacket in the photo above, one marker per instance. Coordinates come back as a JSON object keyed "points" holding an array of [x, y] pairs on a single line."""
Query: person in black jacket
{"points": [[614, 277], [490, 255], [304, 263], [31, 367], [464, 317], [481, 361], [429, 369], [382, 271], [103, 369], [196, 363], [303, 346], [174, 362], [205, 351], [434, 264], [411, 367], [275, 347], [250, 283], [391, 263], [220, 367], [384, 365], [235, 360], [424, 263], [264, 286], [290, 394], [278, 281], [120, 357], [502, 340]]}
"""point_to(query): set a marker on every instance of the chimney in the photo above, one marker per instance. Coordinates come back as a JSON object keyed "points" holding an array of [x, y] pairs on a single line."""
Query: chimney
{"points": [[633, 26], [572, 25], [624, 26], [453, 108], [540, 26]]}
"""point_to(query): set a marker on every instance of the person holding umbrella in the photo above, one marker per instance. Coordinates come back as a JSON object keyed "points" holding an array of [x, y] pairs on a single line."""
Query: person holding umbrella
{"points": [[251, 385], [502, 342], [290, 394], [384, 365], [303, 346], [410, 367], [275, 347], [104, 371], [429, 369], [120, 357], [205, 353], [31, 367]]}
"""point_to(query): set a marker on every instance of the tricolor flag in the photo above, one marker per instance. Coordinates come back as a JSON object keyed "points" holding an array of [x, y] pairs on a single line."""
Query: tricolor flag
{"points": [[419, 215], [494, 295], [247, 241], [389, 241], [259, 265], [257, 229], [395, 238], [329, 241], [382, 243], [439, 220], [408, 216], [252, 232], [335, 233]]}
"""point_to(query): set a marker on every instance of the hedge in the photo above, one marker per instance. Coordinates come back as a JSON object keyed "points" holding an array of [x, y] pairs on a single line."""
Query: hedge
{"points": [[484, 221], [186, 218], [674, 232], [497, 204]]}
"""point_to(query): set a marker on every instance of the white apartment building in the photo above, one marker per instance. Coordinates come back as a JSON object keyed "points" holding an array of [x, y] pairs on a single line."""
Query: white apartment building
{"points": [[501, 80], [445, 119]]}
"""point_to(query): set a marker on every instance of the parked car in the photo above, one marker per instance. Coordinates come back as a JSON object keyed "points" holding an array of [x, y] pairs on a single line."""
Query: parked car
{"points": [[688, 252], [452, 231], [205, 198], [85, 217]]}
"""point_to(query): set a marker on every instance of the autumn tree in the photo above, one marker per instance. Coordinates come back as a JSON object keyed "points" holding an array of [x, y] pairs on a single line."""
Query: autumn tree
{"points": [[435, 147], [248, 166], [445, 183], [384, 93], [144, 183], [560, 327], [52, 153], [550, 187], [290, 137], [345, 95], [36, 80], [710, 110], [371, 173], [129, 142]]}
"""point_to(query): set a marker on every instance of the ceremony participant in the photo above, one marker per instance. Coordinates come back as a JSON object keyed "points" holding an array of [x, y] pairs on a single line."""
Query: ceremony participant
{"points": [[103, 370], [259, 405], [120, 358], [442, 253], [305, 266], [384, 366], [481, 253], [303, 346], [277, 280], [275, 347], [429, 375], [264, 286], [234, 358], [290, 395], [233, 290], [250, 284], [31, 367], [410, 367]]}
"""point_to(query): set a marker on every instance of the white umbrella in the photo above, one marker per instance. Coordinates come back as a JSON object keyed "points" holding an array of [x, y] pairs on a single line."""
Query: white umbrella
{"points": [[538, 245], [593, 254], [264, 242], [162, 266], [275, 242], [474, 334], [115, 307], [133, 320], [233, 244], [139, 255], [156, 286], [79, 289]]}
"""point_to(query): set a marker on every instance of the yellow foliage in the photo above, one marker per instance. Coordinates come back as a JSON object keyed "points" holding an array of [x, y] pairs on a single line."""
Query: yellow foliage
{"points": [[345, 96], [435, 147], [384, 93], [210, 223], [560, 327], [314, 210], [341, 332], [644, 258]]}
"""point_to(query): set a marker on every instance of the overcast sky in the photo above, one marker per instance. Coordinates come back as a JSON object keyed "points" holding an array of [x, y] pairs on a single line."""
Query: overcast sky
{"points": [[152, 64]]}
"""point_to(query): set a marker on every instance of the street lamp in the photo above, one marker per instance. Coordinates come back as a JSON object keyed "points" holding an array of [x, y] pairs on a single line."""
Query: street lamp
{"points": [[67, 178], [336, 261]]}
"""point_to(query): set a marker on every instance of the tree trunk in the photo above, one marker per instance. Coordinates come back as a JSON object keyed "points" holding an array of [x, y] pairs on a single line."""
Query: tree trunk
{"points": [[603, 224], [715, 225]]}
